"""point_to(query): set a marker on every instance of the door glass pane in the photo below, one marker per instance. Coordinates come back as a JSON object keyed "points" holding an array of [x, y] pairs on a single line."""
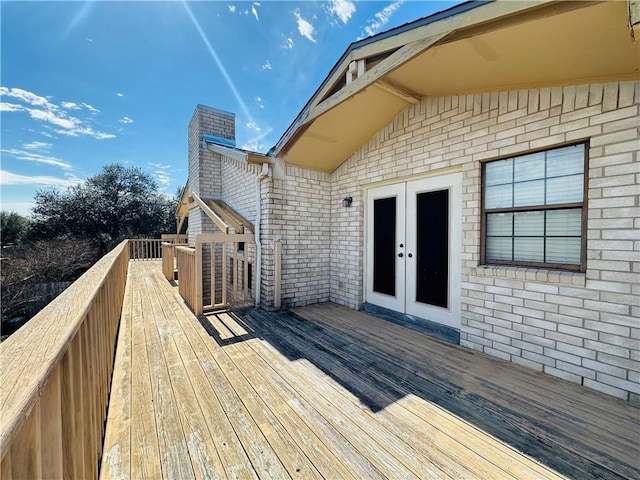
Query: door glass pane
{"points": [[432, 248], [384, 245]]}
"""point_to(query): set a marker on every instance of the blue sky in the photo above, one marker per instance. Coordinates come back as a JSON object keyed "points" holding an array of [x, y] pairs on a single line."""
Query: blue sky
{"points": [[88, 83]]}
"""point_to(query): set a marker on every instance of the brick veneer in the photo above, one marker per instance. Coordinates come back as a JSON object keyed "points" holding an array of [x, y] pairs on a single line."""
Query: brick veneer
{"points": [[584, 327]]}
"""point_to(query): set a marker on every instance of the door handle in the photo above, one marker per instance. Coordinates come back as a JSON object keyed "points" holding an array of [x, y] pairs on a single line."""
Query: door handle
{"points": [[400, 255]]}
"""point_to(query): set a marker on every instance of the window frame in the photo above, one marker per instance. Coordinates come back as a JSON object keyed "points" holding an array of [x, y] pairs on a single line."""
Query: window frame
{"points": [[536, 208]]}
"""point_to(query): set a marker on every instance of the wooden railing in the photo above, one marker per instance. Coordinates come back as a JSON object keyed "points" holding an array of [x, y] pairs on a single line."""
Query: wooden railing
{"points": [[225, 276], [186, 260], [168, 261], [173, 238], [56, 375], [145, 248]]}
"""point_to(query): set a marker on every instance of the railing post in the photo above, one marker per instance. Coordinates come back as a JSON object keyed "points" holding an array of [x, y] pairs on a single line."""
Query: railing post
{"points": [[278, 275], [197, 308]]}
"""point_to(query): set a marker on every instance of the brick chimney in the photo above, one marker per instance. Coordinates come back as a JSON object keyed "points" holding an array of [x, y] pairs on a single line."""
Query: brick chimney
{"points": [[204, 165], [205, 176]]}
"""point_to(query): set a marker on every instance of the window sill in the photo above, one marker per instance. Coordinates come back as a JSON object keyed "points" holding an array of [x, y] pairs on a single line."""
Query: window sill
{"points": [[534, 274]]}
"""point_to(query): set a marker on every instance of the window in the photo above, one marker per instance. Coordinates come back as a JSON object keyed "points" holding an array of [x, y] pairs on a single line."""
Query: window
{"points": [[533, 209]]}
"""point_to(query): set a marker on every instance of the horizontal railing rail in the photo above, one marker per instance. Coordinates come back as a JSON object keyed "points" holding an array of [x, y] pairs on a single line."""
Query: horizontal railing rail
{"points": [[56, 375], [173, 238]]}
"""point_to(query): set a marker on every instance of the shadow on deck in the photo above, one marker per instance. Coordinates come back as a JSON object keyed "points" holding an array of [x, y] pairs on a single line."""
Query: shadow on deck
{"points": [[327, 392]]}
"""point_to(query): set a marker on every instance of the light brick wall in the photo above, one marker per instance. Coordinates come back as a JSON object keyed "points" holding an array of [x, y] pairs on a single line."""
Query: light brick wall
{"points": [[581, 327], [239, 186], [239, 192], [204, 166], [299, 213]]}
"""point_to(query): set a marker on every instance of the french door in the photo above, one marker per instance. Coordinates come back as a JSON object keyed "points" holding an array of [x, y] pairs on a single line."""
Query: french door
{"points": [[414, 248]]}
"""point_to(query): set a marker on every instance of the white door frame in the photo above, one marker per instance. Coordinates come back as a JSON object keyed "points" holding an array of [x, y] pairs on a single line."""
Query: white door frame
{"points": [[396, 302], [449, 316], [404, 300]]}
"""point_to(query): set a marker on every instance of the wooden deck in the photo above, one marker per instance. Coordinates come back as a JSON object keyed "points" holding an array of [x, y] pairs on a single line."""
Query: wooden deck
{"points": [[326, 392]]}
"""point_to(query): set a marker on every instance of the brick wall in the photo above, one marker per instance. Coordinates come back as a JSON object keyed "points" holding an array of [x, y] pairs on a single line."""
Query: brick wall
{"points": [[299, 213], [584, 327], [204, 166]]}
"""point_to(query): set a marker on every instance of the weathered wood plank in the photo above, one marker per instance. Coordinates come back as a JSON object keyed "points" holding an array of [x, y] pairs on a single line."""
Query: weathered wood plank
{"points": [[202, 452], [288, 452], [440, 449], [567, 444], [116, 458], [502, 382], [51, 427], [174, 453], [26, 449], [145, 449]]}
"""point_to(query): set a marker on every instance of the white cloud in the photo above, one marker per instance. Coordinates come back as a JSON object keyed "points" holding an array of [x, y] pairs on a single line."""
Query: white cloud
{"points": [[306, 29], [53, 118], [76, 132], [88, 39], [125, 120], [70, 106], [52, 114], [119, 94], [232, 8], [160, 166], [253, 145], [37, 146], [257, 3], [288, 44], [161, 174], [89, 107], [267, 65], [382, 18], [10, 107], [343, 9], [255, 12], [25, 96], [253, 126], [35, 157], [8, 178]]}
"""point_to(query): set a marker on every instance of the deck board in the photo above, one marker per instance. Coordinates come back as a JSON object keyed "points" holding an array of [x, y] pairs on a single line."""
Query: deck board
{"points": [[327, 392]]}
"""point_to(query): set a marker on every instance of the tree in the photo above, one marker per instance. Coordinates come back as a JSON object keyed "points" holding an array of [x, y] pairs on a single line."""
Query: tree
{"points": [[25, 269], [119, 202], [14, 228]]}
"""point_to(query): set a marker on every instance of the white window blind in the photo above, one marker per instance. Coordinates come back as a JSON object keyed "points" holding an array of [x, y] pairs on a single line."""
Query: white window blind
{"points": [[533, 208]]}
